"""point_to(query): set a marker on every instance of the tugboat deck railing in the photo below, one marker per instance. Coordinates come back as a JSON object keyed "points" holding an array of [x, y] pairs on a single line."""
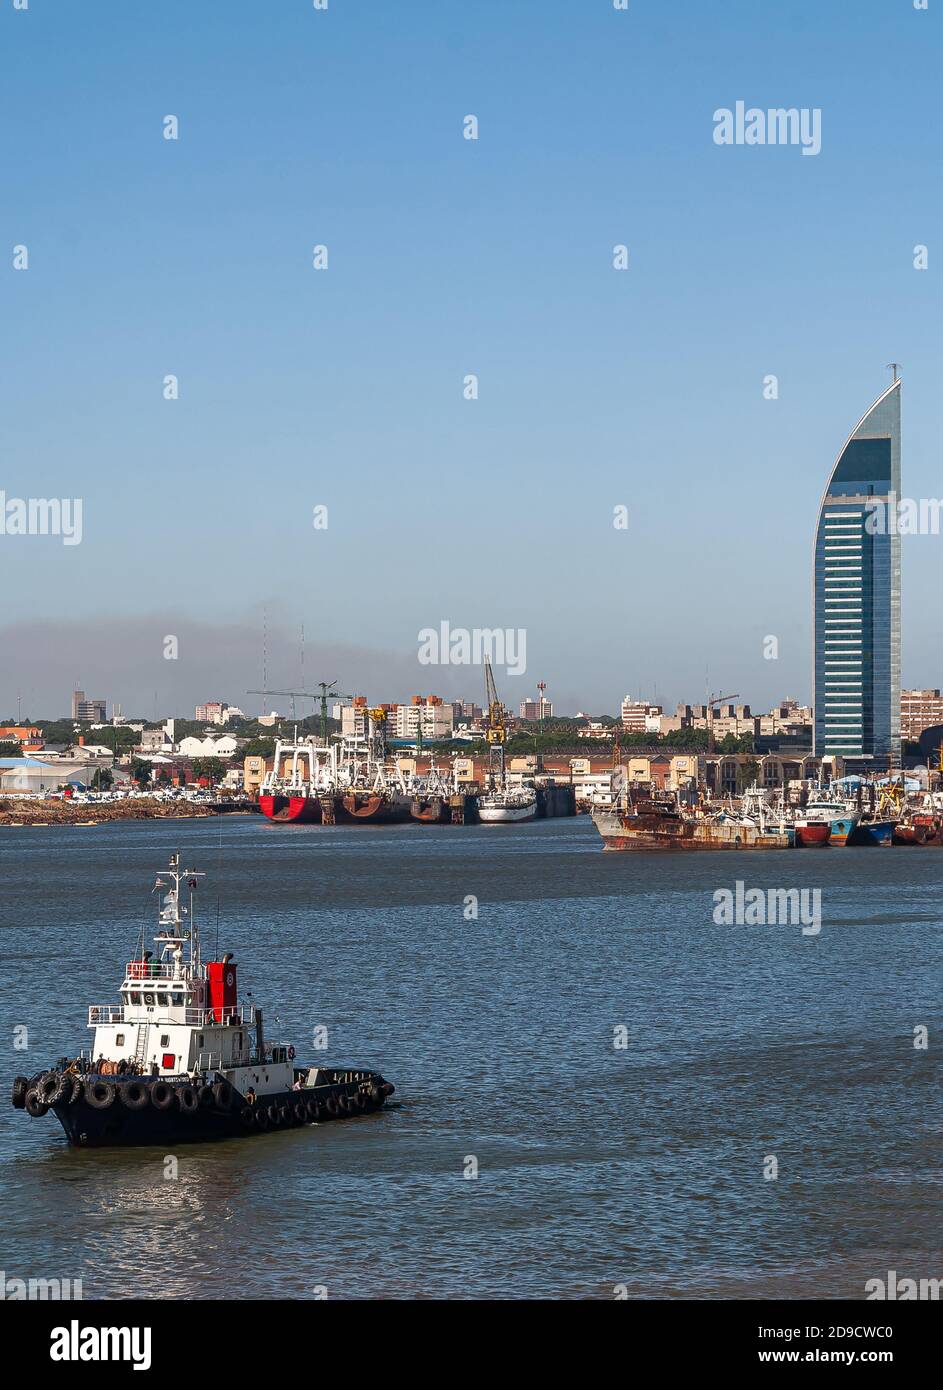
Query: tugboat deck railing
{"points": [[240, 1014], [155, 970]]}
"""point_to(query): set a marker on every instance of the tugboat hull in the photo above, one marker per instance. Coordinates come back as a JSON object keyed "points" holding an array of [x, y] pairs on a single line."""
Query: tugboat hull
{"points": [[215, 1114]]}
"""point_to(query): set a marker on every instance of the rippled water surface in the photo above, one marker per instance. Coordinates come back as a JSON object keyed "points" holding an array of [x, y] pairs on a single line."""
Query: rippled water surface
{"points": [[598, 1166]]}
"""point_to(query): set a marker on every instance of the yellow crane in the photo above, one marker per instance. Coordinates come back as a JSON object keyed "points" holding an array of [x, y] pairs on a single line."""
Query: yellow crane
{"points": [[496, 730]]}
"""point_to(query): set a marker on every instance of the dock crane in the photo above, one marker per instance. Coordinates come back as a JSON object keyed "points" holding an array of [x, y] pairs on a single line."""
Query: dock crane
{"points": [[326, 688], [496, 731]]}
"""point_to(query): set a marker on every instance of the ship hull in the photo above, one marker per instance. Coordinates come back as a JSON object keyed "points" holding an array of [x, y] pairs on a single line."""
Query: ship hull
{"points": [[288, 809], [842, 827], [503, 815], [371, 808], [433, 810], [813, 834], [910, 834], [872, 833], [117, 1126], [654, 832]]}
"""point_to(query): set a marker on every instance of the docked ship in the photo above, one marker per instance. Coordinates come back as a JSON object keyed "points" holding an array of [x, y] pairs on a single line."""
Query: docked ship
{"points": [[506, 804], [873, 830], [180, 1060], [879, 819], [921, 821], [370, 787], [430, 797], [353, 782], [300, 787], [827, 818], [648, 820]]}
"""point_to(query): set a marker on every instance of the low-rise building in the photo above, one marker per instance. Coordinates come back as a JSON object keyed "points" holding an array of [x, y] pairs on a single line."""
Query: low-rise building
{"points": [[533, 710], [154, 741], [637, 716], [211, 713], [208, 747], [90, 712], [429, 714], [919, 710]]}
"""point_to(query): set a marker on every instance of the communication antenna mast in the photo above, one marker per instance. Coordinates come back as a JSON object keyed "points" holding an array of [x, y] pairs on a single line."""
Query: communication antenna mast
{"points": [[264, 691]]}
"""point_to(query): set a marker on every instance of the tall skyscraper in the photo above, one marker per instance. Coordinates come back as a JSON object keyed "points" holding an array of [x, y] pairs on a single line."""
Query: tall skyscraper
{"points": [[857, 592], [78, 697]]}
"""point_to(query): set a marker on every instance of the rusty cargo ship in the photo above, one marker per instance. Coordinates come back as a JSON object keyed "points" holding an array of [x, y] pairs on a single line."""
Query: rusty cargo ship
{"points": [[654, 823]]}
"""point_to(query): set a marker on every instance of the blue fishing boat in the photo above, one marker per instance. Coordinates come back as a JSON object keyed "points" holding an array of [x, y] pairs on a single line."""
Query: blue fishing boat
{"points": [[873, 832]]}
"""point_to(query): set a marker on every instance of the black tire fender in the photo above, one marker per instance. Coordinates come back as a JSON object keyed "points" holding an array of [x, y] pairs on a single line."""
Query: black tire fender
{"points": [[162, 1095], [18, 1096], [52, 1088], [35, 1105], [187, 1099], [100, 1094], [134, 1094], [223, 1095]]}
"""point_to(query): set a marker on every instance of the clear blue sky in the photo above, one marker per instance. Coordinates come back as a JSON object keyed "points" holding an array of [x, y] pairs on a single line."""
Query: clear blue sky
{"points": [[447, 257]]}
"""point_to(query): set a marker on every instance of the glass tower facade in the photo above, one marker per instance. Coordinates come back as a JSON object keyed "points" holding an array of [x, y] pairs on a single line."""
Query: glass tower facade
{"points": [[856, 676]]}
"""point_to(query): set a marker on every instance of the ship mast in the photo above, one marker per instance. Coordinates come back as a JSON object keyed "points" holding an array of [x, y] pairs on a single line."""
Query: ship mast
{"points": [[171, 914]]}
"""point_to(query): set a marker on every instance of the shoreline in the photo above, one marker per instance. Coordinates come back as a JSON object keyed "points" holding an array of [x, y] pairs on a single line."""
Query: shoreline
{"points": [[39, 814]]}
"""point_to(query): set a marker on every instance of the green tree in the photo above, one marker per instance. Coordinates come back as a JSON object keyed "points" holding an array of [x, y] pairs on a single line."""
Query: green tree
{"points": [[140, 772], [258, 748], [10, 750], [102, 780], [213, 769]]}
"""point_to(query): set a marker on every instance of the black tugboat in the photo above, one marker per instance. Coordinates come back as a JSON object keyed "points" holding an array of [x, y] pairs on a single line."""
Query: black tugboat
{"points": [[179, 1060]]}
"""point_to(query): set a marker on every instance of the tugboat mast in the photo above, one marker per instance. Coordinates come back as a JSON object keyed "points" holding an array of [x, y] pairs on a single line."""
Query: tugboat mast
{"points": [[171, 915]]}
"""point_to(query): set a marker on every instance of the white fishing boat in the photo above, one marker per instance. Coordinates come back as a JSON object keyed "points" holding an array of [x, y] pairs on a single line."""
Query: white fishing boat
{"points": [[507, 804]]}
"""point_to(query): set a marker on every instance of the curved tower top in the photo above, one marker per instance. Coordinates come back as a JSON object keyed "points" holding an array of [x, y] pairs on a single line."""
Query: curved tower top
{"points": [[869, 461]]}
